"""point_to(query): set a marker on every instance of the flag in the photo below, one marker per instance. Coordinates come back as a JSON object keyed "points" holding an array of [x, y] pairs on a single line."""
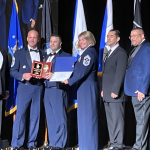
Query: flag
{"points": [[46, 25], [14, 43], [107, 26], [79, 27], [137, 22]]}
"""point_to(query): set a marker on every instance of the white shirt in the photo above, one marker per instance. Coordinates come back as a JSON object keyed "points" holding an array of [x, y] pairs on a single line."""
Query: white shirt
{"points": [[113, 48], [34, 55], [50, 58], [1, 60]]}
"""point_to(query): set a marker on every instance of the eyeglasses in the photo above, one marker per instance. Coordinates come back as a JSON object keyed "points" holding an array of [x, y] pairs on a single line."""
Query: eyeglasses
{"points": [[133, 36]]}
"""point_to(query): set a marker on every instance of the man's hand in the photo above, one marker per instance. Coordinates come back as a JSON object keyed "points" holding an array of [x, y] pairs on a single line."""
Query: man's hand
{"points": [[32, 23], [48, 75], [140, 96], [27, 76], [101, 93], [65, 81], [113, 95]]}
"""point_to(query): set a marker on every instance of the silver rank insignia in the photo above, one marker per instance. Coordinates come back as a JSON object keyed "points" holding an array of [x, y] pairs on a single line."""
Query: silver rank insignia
{"points": [[13, 61], [86, 60], [24, 66]]}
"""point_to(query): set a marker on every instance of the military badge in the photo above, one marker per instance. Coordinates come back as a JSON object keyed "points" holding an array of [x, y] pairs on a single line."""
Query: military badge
{"points": [[86, 60], [13, 62], [24, 67]]}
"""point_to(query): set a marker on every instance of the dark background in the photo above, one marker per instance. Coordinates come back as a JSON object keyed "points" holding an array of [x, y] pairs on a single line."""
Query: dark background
{"points": [[62, 16]]}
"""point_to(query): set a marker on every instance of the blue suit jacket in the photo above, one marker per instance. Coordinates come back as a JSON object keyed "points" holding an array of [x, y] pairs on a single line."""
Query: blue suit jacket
{"points": [[138, 73], [22, 63], [29, 10]]}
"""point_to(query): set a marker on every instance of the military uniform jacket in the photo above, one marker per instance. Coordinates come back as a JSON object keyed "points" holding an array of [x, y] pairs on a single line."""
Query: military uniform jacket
{"points": [[48, 84], [113, 75], [22, 63], [85, 67]]}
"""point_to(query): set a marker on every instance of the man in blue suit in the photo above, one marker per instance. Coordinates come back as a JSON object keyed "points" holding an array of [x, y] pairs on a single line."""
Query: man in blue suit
{"points": [[55, 98], [29, 92], [137, 85]]}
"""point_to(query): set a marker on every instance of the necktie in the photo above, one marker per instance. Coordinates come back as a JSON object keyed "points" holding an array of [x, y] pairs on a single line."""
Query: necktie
{"points": [[36, 50], [107, 55], [51, 54]]}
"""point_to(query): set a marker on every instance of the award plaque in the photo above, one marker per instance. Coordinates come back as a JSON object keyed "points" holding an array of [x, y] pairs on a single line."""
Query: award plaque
{"points": [[39, 69]]}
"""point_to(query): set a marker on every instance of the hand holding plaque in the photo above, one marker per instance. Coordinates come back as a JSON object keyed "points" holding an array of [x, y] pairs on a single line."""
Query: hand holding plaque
{"points": [[39, 69]]}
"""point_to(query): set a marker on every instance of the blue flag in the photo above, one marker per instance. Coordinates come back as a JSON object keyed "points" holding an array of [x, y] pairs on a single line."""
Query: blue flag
{"points": [[107, 26], [79, 27], [14, 43]]}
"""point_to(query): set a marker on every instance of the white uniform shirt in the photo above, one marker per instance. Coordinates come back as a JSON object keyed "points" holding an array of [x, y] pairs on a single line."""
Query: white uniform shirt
{"points": [[34, 55]]}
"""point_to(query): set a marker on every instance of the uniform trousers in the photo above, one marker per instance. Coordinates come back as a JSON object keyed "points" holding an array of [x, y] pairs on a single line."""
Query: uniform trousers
{"points": [[54, 102], [27, 96], [141, 111]]}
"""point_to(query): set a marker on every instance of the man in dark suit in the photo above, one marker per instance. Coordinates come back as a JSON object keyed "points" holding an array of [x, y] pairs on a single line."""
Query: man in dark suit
{"points": [[114, 66], [29, 92], [55, 98], [137, 85]]}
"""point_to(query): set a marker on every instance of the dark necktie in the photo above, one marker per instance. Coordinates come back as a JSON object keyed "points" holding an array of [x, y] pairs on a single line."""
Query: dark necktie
{"points": [[36, 50], [52, 54], [107, 55]]}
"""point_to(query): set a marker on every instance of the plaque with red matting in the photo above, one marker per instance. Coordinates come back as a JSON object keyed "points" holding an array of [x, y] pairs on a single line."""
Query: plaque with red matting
{"points": [[39, 69]]}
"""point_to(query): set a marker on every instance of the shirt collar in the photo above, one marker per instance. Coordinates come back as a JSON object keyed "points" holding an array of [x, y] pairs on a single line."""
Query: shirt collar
{"points": [[54, 52], [31, 48], [142, 41], [114, 47], [81, 51]]}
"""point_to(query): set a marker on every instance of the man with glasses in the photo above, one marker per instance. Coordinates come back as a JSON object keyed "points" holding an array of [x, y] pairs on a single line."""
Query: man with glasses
{"points": [[137, 83]]}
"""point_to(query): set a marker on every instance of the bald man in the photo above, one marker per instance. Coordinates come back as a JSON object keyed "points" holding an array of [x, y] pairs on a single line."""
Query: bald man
{"points": [[29, 92]]}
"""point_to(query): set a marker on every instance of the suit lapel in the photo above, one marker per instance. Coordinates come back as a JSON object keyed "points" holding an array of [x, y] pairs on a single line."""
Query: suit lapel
{"points": [[54, 60], [130, 59], [28, 57], [41, 56]]}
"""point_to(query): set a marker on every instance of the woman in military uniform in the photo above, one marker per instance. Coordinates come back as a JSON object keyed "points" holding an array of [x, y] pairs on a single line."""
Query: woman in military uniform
{"points": [[85, 73]]}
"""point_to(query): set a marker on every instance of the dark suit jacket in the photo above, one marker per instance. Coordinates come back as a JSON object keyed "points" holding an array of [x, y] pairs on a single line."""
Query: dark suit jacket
{"points": [[29, 10], [23, 64], [3, 73], [138, 72], [61, 53], [113, 75]]}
